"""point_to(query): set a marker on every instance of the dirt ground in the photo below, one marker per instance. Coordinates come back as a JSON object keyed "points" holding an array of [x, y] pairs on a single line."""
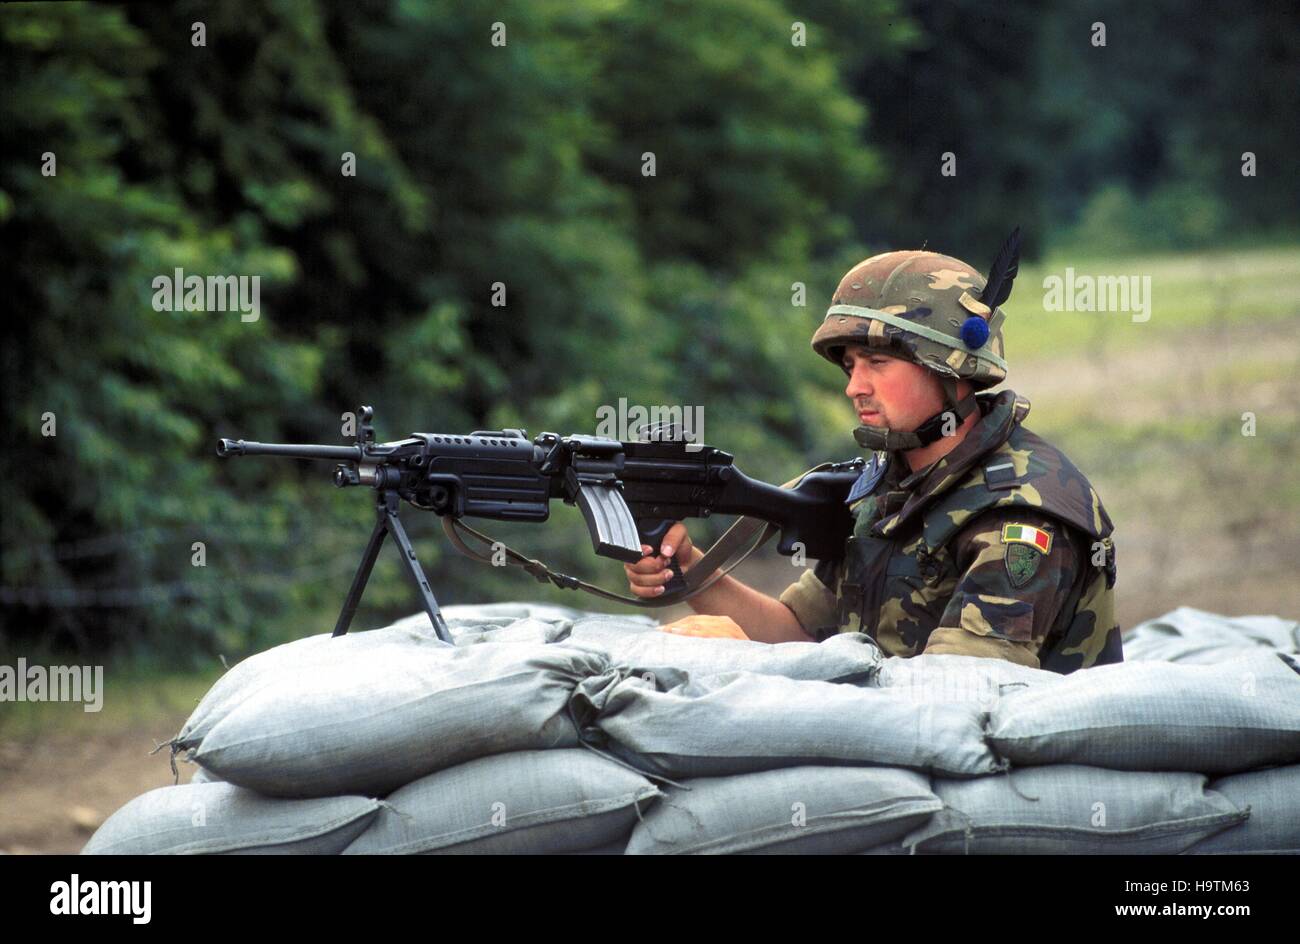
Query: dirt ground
{"points": [[58, 787], [1200, 523]]}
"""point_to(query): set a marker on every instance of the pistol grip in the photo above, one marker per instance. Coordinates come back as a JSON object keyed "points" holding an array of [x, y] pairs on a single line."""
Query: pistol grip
{"points": [[677, 582], [652, 532]]}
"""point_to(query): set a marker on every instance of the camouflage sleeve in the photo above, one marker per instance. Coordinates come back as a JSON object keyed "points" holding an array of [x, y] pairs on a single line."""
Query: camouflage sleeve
{"points": [[812, 600], [1016, 569]]}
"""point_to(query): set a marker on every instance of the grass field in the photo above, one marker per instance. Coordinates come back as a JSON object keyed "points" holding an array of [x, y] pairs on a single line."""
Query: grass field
{"points": [[1211, 290]]}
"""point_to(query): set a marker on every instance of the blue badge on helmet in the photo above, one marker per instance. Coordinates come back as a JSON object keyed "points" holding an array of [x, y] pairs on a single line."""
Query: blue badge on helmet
{"points": [[974, 331]]}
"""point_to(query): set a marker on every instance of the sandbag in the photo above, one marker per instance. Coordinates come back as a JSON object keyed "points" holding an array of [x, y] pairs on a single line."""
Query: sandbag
{"points": [[526, 802], [744, 721], [466, 631], [669, 659], [956, 679], [468, 622], [269, 668], [204, 776], [508, 612], [638, 644], [1221, 718], [386, 716], [218, 818], [1070, 809], [1194, 636], [817, 810], [1273, 796]]}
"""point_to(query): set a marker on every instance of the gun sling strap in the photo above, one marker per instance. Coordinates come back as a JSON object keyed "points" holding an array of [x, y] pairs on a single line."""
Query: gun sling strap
{"points": [[740, 540]]}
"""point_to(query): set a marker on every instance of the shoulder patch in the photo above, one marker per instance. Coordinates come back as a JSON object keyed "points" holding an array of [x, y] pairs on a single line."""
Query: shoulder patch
{"points": [[1022, 563], [1036, 538]]}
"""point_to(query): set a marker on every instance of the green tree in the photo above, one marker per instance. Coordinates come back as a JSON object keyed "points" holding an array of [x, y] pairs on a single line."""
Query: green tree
{"points": [[476, 163]]}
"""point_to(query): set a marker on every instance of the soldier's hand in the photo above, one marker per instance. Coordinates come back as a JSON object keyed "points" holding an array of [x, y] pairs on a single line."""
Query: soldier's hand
{"points": [[647, 576], [708, 627]]}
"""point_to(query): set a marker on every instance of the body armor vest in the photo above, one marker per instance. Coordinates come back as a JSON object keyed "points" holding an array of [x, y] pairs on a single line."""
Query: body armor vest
{"points": [[899, 571]]}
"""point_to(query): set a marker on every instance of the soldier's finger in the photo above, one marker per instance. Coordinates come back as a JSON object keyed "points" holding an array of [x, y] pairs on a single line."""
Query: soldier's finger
{"points": [[655, 579], [676, 538], [647, 565]]}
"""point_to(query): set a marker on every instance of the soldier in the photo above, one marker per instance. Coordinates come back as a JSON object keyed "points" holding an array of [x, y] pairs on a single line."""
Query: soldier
{"points": [[971, 534]]}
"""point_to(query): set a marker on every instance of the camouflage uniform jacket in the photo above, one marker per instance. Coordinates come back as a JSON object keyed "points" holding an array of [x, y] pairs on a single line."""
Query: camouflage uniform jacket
{"points": [[1001, 548]]}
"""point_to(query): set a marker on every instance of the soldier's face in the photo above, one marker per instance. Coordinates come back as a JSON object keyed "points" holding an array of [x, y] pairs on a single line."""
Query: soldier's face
{"points": [[889, 391]]}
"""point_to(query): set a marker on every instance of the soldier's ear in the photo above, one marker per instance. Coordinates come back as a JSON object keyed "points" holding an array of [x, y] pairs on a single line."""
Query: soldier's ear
{"points": [[935, 382]]}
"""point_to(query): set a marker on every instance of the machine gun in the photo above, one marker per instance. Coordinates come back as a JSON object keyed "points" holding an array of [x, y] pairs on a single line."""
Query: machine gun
{"points": [[630, 493]]}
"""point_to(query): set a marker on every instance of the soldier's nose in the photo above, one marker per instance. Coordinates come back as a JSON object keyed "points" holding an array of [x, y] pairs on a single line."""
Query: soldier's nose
{"points": [[857, 388]]}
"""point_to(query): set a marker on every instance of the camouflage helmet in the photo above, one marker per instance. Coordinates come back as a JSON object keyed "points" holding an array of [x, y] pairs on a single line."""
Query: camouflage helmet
{"points": [[933, 310], [921, 306]]}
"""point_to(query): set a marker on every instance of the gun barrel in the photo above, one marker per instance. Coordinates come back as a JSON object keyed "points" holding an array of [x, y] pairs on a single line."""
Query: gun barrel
{"points": [[240, 447]]}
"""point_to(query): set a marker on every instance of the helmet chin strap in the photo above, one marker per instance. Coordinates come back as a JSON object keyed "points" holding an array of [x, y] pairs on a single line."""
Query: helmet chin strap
{"points": [[891, 440]]}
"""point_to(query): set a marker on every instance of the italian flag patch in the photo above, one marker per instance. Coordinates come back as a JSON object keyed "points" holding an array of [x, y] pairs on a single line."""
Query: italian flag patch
{"points": [[1027, 534]]}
